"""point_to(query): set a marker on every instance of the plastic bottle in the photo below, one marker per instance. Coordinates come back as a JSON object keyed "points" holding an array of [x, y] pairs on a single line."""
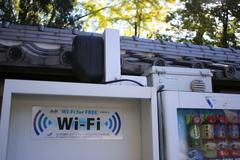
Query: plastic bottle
{"points": [[207, 133], [233, 137], [194, 138], [194, 132], [220, 133]]}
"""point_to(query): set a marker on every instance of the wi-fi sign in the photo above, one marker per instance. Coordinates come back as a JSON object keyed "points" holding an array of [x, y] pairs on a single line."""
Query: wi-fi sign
{"points": [[40, 122], [114, 123]]}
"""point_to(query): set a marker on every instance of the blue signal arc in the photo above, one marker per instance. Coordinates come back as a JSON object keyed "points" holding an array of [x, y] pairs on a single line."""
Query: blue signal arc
{"points": [[45, 122], [119, 123], [35, 122], [110, 121], [114, 123], [40, 122]]}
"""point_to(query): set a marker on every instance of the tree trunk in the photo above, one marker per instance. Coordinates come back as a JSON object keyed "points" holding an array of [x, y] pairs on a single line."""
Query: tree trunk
{"points": [[135, 28], [198, 39], [139, 23], [224, 38], [136, 23]]}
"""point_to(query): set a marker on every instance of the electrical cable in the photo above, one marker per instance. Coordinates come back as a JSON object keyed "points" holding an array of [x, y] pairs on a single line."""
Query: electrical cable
{"points": [[160, 124], [122, 80]]}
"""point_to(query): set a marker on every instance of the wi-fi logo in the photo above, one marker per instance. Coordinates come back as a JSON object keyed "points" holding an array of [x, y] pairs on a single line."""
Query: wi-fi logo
{"points": [[40, 122], [114, 123]]}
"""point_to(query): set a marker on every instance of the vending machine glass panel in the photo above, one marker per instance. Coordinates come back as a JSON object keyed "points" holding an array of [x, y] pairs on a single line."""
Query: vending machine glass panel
{"points": [[209, 134]]}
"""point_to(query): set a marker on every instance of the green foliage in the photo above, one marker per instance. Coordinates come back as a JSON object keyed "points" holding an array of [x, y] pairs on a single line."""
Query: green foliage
{"points": [[137, 17], [7, 7], [53, 13], [207, 22], [203, 22]]}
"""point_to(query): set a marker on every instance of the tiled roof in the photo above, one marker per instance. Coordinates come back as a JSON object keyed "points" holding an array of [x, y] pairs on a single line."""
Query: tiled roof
{"points": [[36, 46]]}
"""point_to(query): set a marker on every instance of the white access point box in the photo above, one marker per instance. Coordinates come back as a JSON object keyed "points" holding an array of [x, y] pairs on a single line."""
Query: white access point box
{"points": [[179, 79], [28, 129]]}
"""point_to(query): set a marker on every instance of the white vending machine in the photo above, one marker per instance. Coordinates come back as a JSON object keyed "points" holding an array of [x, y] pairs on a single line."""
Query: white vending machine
{"points": [[195, 125], [72, 121], [201, 126]]}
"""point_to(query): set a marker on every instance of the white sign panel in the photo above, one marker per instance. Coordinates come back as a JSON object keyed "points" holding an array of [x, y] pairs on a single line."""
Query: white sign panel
{"points": [[80, 123]]}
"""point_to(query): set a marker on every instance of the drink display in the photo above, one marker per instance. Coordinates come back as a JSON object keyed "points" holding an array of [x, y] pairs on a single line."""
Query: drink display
{"points": [[194, 132], [220, 134], [233, 134], [209, 134]]}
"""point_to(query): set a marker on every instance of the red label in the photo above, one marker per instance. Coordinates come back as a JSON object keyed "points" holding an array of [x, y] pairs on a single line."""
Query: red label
{"points": [[235, 149], [223, 150]]}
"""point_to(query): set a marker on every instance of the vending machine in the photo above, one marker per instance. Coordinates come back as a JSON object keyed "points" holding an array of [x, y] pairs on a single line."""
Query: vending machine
{"points": [[196, 124], [201, 126]]}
